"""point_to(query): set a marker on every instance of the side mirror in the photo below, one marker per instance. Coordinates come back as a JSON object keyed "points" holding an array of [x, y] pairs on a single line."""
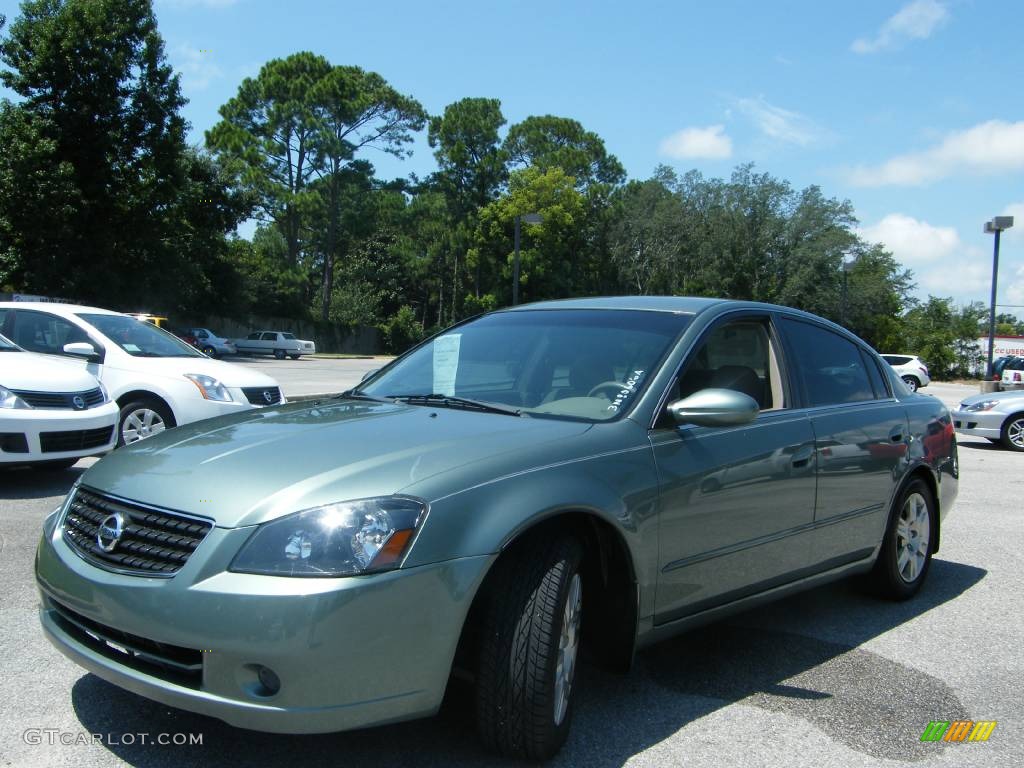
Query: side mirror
{"points": [[80, 349], [368, 374], [714, 408]]}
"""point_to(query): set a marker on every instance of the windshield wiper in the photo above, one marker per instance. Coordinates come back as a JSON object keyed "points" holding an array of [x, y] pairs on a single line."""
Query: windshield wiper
{"points": [[356, 394], [451, 401]]}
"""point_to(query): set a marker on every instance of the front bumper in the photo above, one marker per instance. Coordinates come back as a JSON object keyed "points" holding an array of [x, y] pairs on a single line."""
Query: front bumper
{"points": [[33, 423], [349, 652], [979, 423]]}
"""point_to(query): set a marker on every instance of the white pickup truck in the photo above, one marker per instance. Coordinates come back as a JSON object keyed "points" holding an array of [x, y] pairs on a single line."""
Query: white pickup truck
{"points": [[280, 344]]}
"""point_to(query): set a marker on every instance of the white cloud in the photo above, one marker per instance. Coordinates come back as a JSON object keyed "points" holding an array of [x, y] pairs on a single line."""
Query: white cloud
{"points": [[992, 147], [196, 66], [913, 241], [710, 143], [1017, 211], [780, 124], [914, 21], [1015, 293]]}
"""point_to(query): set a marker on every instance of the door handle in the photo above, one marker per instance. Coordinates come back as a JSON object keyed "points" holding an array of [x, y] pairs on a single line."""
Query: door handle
{"points": [[802, 456]]}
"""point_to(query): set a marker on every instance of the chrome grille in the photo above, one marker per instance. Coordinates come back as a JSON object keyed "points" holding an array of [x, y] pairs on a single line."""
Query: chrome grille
{"points": [[90, 398], [153, 542], [262, 395]]}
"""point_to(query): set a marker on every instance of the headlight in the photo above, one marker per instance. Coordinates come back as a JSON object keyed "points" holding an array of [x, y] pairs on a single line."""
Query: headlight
{"points": [[10, 400], [342, 539], [987, 405], [210, 387]]}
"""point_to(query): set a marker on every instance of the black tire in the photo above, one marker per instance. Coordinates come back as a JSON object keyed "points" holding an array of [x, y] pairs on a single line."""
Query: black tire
{"points": [[521, 625], [279, 354], [294, 357], [1012, 433], [912, 383], [209, 351], [888, 579], [148, 403]]}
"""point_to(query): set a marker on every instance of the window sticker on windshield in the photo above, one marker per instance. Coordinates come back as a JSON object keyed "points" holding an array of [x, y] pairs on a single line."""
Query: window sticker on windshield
{"points": [[130, 348], [630, 388], [446, 363]]}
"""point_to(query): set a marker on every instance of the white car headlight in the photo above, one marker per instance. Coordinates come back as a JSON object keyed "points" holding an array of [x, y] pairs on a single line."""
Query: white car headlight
{"points": [[10, 400], [343, 539], [209, 387], [987, 405]]}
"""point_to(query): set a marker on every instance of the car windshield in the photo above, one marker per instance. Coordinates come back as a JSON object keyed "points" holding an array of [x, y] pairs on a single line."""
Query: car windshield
{"points": [[137, 338], [6, 345], [580, 364]]}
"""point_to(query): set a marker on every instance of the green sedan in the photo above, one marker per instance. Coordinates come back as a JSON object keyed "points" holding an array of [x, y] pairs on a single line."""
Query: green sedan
{"points": [[587, 475]]}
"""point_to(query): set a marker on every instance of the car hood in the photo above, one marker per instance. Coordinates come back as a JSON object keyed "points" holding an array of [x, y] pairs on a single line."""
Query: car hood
{"points": [[37, 373], [998, 396], [229, 374], [249, 468]]}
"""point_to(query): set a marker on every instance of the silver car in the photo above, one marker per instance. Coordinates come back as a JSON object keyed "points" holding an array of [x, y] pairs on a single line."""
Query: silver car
{"points": [[999, 416]]}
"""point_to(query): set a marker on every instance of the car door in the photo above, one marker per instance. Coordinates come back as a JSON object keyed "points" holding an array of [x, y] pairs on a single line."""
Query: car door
{"points": [[862, 439], [736, 503], [47, 333], [268, 342]]}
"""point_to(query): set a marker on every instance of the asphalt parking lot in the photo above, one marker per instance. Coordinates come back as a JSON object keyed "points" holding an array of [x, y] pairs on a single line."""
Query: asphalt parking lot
{"points": [[828, 678]]}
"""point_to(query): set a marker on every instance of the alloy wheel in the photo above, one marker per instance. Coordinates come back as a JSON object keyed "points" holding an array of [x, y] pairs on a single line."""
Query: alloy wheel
{"points": [[913, 529], [140, 424], [568, 647], [1015, 432]]}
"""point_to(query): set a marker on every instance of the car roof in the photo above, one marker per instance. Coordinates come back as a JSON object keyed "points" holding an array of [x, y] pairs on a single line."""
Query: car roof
{"points": [[57, 307], [687, 304]]}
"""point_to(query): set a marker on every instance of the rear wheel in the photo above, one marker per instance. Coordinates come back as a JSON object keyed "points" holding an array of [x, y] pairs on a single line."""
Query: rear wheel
{"points": [[912, 383], [141, 419], [529, 648], [1012, 436], [294, 357], [906, 552], [209, 351], [279, 354]]}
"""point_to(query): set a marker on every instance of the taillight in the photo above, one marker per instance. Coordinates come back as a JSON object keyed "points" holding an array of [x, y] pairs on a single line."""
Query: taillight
{"points": [[1016, 377]]}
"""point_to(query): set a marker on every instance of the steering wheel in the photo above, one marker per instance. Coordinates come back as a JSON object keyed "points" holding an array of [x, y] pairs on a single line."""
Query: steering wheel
{"points": [[617, 385]]}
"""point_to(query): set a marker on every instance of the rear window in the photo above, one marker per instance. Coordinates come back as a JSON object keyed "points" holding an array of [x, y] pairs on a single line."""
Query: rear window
{"points": [[831, 366], [896, 359]]}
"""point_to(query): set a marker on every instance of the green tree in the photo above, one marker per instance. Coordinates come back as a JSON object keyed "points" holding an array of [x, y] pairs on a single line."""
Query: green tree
{"points": [[549, 142], [94, 160]]}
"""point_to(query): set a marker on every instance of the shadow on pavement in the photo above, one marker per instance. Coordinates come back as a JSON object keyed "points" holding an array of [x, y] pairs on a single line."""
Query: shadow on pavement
{"points": [[28, 483], [766, 658]]}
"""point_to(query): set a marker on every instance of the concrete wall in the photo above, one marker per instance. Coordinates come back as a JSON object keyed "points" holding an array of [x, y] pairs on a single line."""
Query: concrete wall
{"points": [[327, 336]]}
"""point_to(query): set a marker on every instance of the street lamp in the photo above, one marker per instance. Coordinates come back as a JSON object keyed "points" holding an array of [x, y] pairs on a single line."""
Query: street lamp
{"points": [[996, 226], [847, 265], [529, 218]]}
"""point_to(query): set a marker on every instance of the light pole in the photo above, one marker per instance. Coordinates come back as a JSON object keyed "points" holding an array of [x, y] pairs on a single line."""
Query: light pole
{"points": [[847, 266], [529, 218], [996, 226]]}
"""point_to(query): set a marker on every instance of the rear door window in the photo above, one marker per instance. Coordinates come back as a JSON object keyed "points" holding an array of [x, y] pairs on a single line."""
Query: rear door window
{"points": [[830, 366]]}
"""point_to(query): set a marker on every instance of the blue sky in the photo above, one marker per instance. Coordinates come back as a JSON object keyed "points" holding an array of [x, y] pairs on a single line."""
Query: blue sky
{"points": [[909, 108]]}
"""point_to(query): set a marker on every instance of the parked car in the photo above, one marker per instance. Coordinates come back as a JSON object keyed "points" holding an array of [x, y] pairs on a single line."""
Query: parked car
{"points": [[911, 369], [523, 484], [1001, 362], [999, 416], [51, 413], [1012, 374], [157, 380], [280, 344], [211, 344]]}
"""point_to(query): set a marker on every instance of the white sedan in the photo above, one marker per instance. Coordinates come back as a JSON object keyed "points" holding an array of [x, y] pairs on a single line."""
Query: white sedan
{"points": [[157, 380], [51, 413], [280, 344]]}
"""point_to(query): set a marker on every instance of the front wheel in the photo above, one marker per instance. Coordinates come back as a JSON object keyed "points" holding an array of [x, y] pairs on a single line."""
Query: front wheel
{"points": [[1012, 435], [529, 647], [912, 383], [141, 419], [906, 552]]}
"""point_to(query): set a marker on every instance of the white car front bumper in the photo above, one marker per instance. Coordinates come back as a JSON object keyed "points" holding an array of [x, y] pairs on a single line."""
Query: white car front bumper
{"points": [[38, 434]]}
